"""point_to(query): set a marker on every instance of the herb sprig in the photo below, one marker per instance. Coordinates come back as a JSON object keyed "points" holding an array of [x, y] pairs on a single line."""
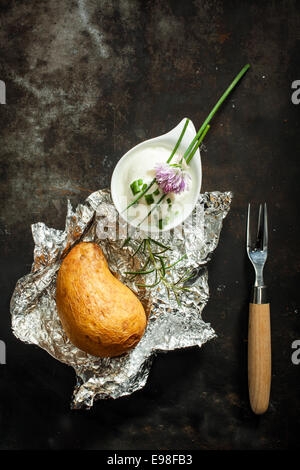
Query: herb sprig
{"points": [[157, 262]]}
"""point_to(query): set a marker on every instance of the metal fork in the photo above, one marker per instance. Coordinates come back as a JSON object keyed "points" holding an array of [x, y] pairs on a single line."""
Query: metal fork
{"points": [[259, 333]]}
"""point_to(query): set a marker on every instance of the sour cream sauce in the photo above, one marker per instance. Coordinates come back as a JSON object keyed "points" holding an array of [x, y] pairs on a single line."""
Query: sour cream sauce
{"points": [[141, 165]]}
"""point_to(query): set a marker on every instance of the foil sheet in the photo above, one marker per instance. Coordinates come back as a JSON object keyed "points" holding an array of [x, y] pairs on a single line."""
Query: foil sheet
{"points": [[170, 326]]}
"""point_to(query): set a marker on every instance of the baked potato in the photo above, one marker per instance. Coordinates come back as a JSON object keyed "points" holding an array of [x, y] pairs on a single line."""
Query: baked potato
{"points": [[99, 314]]}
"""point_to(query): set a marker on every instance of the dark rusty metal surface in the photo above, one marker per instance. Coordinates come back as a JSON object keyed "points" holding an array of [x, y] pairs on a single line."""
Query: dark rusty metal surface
{"points": [[85, 81]]}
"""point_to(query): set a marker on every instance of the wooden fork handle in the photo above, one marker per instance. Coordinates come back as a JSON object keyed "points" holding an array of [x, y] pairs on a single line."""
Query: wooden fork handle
{"points": [[259, 357]]}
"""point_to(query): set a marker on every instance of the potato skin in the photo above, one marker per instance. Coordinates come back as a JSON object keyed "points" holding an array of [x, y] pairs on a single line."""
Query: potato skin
{"points": [[99, 314]]}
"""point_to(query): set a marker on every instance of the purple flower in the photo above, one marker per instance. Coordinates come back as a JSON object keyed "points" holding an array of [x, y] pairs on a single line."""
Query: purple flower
{"points": [[172, 178]]}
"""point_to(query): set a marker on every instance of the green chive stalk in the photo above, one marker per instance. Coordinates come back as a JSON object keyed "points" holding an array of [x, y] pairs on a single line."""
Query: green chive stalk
{"points": [[215, 109], [198, 139], [179, 140]]}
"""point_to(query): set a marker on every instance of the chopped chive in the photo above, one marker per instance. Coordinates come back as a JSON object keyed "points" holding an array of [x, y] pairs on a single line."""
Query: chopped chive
{"points": [[156, 192], [140, 182], [140, 195], [135, 187], [152, 209], [169, 201], [149, 199], [144, 187], [160, 224]]}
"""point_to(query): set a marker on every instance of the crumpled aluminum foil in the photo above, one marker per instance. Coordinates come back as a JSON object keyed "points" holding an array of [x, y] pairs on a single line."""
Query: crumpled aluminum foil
{"points": [[33, 308]]}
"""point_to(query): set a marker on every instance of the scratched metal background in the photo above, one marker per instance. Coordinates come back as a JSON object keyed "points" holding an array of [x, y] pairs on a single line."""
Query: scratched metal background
{"points": [[86, 80]]}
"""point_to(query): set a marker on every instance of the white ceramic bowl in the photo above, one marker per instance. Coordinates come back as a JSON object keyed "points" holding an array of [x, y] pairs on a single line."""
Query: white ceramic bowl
{"points": [[169, 139]]}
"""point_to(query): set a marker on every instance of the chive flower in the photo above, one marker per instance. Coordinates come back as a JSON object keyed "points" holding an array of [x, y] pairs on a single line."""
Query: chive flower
{"points": [[172, 178]]}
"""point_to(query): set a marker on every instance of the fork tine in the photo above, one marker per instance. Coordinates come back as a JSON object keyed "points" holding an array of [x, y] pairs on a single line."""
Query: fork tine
{"points": [[260, 229], [265, 236], [248, 228]]}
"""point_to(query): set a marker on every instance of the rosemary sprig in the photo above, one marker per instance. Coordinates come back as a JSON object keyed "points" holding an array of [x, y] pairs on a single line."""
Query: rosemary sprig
{"points": [[159, 244], [159, 266]]}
